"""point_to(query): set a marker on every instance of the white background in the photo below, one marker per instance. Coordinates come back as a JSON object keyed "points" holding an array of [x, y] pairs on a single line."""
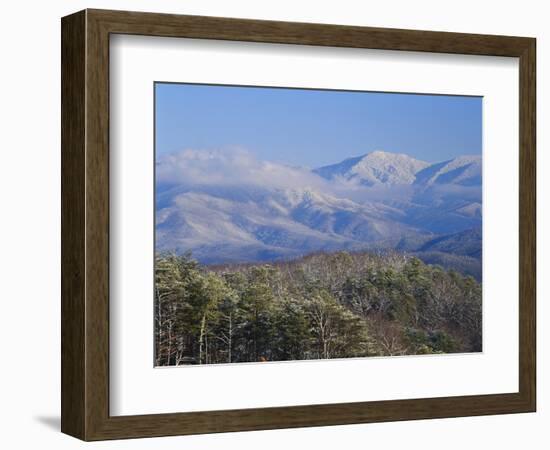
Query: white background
{"points": [[30, 236], [136, 387]]}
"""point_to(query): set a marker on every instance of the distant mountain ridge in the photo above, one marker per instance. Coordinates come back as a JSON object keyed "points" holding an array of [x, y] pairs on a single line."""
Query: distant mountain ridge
{"points": [[381, 167], [377, 167], [463, 170], [223, 214]]}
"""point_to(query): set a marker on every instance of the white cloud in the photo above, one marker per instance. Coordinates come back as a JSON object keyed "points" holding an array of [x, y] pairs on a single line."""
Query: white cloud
{"points": [[193, 168]]}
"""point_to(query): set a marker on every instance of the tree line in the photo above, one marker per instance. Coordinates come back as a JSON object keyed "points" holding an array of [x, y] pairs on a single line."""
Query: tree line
{"points": [[320, 306]]}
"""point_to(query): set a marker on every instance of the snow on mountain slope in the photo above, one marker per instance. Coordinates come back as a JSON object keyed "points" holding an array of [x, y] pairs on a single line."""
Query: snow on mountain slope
{"points": [[463, 171], [471, 210], [467, 243], [286, 223], [233, 208], [375, 168]]}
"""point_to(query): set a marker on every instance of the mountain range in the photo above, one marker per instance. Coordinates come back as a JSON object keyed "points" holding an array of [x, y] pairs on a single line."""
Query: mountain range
{"points": [[232, 208]]}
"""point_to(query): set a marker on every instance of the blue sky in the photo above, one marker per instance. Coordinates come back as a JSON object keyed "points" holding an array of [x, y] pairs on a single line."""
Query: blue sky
{"points": [[313, 128]]}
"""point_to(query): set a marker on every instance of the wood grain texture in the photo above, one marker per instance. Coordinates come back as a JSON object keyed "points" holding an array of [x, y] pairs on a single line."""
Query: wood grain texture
{"points": [[85, 224], [527, 224], [73, 109], [151, 24], [97, 226]]}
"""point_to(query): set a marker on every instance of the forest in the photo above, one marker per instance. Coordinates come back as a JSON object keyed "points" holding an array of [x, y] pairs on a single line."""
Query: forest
{"points": [[321, 306]]}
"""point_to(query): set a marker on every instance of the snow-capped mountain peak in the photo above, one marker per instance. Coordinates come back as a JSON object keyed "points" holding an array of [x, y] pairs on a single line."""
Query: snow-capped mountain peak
{"points": [[377, 167]]}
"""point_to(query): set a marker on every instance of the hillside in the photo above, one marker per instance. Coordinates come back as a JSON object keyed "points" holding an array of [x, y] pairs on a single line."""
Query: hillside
{"points": [[226, 207]]}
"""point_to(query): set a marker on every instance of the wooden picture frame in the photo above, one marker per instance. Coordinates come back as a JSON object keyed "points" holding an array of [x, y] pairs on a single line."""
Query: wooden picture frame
{"points": [[85, 224]]}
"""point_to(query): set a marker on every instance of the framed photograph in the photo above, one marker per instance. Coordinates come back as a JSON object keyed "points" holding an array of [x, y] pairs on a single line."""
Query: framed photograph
{"points": [[273, 225]]}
